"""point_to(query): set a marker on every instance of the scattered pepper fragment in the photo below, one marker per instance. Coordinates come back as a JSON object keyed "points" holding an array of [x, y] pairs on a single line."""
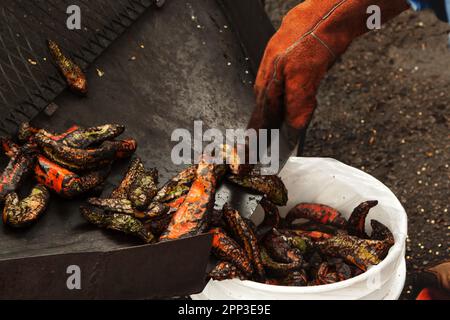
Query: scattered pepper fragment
{"points": [[72, 73]]}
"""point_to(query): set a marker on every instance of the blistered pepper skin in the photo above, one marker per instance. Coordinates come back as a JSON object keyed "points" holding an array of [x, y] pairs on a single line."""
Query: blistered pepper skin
{"points": [[27, 132], [84, 159], [318, 213], [65, 183], [21, 213], [271, 220], [277, 268], [72, 73], [192, 218], [125, 206], [360, 252], [225, 270], [84, 138], [225, 248], [357, 220], [178, 186], [18, 167], [381, 232], [280, 249], [270, 186], [135, 169], [118, 222], [144, 189], [245, 235]]}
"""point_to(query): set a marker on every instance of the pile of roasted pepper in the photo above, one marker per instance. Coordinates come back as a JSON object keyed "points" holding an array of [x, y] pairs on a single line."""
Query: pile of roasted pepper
{"points": [[70, 164], [323, 248]]}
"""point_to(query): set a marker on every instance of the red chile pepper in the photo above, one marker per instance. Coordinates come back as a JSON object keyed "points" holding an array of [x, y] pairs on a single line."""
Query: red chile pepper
{"points": [[318, 213], [357, 220], [225, 248], [64, 182], [192, 217], [246, 236]]}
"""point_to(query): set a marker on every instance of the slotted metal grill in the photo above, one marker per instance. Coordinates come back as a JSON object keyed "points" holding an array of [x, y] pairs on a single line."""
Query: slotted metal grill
{"points": [[28, 79]]}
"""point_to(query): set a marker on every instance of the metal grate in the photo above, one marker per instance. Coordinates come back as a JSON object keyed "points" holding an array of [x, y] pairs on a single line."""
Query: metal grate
{"points": [[28, 79]]}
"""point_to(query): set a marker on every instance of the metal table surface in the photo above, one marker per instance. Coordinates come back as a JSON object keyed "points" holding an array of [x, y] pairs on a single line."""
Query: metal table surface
{"points": [[174, 66]]}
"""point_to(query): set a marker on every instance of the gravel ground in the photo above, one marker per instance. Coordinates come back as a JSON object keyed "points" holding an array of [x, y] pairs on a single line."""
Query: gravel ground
{"points": [[384, 108]]}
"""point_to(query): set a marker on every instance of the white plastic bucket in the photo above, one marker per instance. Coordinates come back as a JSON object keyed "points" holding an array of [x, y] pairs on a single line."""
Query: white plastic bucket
{"points": [[333, 183]]}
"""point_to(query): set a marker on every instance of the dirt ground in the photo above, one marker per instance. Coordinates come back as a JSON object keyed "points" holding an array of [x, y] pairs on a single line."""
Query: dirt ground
{"points": [[384, 108]]}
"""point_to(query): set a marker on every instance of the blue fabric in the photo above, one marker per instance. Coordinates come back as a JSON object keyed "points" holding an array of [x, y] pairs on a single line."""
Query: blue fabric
{"points": [[440, 7]]}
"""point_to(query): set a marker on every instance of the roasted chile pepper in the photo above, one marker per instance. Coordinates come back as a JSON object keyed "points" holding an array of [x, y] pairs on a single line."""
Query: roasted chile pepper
{"points": [[381, 232], [192, 217], [318, 213], [117, 205], [246, 237], [280, 249], [83, 159], [357, 220], [144, 189], [118, 222], [84, 138], [27, 132], [178, 186], [270, 186], [277, 268], [359, 252], [17, 168], [64, 182], [225, 248], [20, 213], [135, 169], [72, 73], [271, 218], [225, 270], [125, 206]]}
